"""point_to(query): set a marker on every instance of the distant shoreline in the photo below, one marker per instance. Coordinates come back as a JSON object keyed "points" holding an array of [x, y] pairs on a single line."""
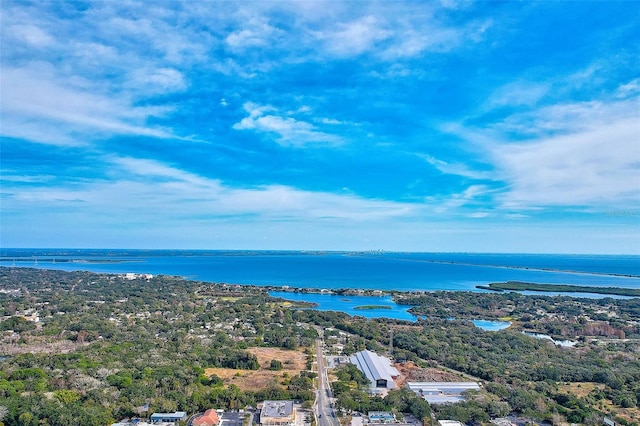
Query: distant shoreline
{"points": [[559, 288], [524, 268], [78, 256]]}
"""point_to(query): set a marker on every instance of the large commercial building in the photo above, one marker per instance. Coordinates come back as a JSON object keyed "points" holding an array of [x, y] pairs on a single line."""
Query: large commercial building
{"points": [[376, 368], [278, 413], [442, 392]]}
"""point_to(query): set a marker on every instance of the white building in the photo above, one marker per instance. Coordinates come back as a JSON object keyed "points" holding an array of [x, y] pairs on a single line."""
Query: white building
{"points": [[278, 413], [376, 368], [449, 423], [442, 392]]}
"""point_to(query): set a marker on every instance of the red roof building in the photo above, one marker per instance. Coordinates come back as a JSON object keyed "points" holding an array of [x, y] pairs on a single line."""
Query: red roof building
{"points": [[209, 418]]}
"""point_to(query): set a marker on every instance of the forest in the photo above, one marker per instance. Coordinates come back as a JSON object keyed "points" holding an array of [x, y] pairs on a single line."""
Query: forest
{"points": [[85, 348]]}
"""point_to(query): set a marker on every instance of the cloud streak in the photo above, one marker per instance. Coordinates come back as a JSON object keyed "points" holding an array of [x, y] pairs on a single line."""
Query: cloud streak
{"points": [[150, 187], [30, 97]]}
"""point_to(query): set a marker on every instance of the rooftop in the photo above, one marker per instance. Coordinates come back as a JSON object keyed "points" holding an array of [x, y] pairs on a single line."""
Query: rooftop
{"points": [[276, 409], [209, 418], [375, 367]]}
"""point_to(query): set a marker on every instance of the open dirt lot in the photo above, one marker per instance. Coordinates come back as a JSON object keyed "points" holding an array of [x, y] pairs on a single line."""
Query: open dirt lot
{"points": [[292, 361], [410, 372]]}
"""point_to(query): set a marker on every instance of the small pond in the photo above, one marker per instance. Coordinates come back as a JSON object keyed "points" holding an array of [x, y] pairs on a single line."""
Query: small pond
{"points": [[564, 343], [491, 325]]}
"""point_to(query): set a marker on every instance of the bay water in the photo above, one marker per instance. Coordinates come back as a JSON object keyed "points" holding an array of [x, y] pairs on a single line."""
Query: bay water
{"points": [[345, 270]]}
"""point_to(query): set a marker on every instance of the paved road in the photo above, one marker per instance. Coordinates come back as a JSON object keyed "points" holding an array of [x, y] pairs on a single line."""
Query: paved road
{"points": [[324, 411]]}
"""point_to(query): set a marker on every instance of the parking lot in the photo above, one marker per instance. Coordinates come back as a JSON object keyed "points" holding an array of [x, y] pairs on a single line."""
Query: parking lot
{"points": [[232, 419]]}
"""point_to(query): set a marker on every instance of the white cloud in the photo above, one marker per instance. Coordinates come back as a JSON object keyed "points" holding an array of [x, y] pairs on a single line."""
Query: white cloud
{"points": [[455, 201], [353, 38], [25, 179], [569, 117], [33, 99], [330, 121], [518, 93], [159, 80], [629, 89], [148, 186], [31, 35], [456, 168], [479, 215], [583, 154], [597, 166], [423, 33], [256, 33], [291, 132]]}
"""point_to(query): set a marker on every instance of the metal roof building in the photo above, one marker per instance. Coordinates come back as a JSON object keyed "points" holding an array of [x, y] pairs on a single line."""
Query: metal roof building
{"points": [[376, 368], [442, 392], [168, 417], [449, 423]]}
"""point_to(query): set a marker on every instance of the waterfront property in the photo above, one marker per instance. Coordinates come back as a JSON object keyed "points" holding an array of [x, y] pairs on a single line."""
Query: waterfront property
{"points": [[442, 392], [377, 369], [278, 413]]}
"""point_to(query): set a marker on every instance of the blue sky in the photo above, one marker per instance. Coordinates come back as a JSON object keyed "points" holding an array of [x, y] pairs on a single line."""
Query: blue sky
{"points": [[417, 126]]}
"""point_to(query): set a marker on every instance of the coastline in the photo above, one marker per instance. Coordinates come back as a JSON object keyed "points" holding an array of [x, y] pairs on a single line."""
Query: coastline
{"points": [[559, 288]]}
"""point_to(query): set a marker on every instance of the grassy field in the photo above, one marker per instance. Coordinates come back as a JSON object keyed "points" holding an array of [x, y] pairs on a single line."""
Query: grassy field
{"points": [[293, 362]]}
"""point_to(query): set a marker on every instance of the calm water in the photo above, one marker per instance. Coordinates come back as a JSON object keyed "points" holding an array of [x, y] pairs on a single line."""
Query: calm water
{"points": [[331, 270], [348, 304], [491, 325]]}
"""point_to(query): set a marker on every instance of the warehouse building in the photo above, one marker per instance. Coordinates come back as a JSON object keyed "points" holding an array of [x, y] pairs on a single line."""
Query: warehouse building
{"points": [[376, 368]]}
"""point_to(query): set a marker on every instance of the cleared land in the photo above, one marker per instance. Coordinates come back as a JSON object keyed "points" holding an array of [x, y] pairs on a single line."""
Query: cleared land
{"points": [[410, 372], [292, 362]]}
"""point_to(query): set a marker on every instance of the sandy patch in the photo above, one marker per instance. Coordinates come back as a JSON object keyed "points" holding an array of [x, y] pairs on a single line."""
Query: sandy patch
{"points": [[292, 362]]}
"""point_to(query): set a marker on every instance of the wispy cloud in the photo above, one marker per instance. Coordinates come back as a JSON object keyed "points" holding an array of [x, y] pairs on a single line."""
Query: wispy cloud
{"points": [[456, 168], [148, 186], [31, 95], [561, 155], [255, 33], [354, 37], [31, 35], [517, 93], [594, 167], [290, 131], [452, 202], [158, 80]]}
